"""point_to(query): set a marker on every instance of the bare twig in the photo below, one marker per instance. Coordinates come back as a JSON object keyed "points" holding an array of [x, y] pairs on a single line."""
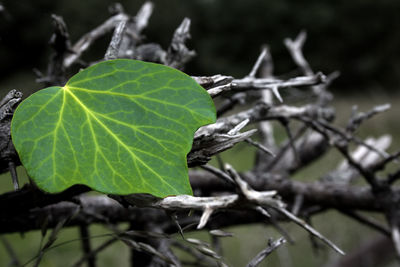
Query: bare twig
{"points": [[298, 202], [367, 221], [52, 238], [218, 173], [356, 120], [86, 246], [345, 173], [205, 217], [14, 259], [260, 147], [291, 140], [113, 48], [258, 63], [14, 176], [265, 127], [94, 252], [262, 112], [178, 54], [272, 245], [254, 196], [143, 16], [295, 48], [206, 146], [199, 257], [212, 81], [272, 84], [311, 230], [88, 39], [143, 247], [134, 28]]}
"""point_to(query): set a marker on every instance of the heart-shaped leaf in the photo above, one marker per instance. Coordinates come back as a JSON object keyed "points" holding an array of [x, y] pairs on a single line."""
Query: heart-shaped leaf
{"points": [[120, 126]]}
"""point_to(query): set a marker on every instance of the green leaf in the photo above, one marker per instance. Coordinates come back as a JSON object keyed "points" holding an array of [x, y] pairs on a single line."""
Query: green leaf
{"points": [[120, 127]]}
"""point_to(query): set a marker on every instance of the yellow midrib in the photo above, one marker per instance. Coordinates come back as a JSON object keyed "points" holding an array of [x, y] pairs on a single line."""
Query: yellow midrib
{"points": [[90, 113]]}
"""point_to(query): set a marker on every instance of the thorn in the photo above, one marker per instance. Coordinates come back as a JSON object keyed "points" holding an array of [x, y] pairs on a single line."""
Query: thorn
{"points": [[275, 91], [238, 127], [205, 217], [257, 65]]}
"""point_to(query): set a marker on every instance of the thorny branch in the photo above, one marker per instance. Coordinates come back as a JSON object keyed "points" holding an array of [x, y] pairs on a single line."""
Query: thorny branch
{"points": [[264, 194]]}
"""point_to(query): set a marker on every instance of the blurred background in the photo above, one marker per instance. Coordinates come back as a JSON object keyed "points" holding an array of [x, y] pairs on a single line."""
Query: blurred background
{"points": [[360, 38]]}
